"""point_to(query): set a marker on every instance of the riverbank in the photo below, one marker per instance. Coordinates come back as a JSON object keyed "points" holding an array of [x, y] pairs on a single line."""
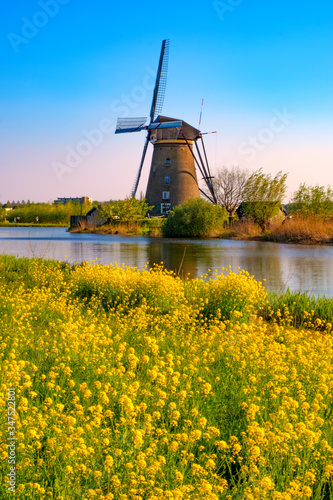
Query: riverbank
{"points": [[300, 230], [147, 227], [306, 231], [116, 370]]}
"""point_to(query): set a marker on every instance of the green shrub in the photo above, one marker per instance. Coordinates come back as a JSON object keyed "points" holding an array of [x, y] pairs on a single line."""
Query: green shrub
{"points": [[263, 196], [313, 200], [196, 218], [128, 210]]}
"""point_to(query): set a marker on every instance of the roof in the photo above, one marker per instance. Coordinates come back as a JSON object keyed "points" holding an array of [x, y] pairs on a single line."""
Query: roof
{"points": [[92, 210], [187, 131]]}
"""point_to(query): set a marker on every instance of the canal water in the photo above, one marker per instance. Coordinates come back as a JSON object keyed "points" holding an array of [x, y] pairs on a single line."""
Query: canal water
{"points": [[297, 267]]}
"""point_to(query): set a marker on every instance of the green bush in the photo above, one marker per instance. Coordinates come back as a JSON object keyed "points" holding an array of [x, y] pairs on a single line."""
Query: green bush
{"points": [[263, 196], [196, 218], [128, 210], [313, 200]]}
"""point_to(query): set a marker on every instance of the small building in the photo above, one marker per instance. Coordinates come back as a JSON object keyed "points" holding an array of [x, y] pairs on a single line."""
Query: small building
{"points": [[91, 219], [81, 200]]}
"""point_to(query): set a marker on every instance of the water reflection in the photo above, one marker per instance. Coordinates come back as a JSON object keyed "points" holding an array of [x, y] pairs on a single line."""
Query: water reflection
{"points": [[298, 267]]}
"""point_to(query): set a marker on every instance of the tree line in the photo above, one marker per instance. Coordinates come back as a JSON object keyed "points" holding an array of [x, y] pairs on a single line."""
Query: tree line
{"points": [[256, 196], [43, 213], [262, 195]]}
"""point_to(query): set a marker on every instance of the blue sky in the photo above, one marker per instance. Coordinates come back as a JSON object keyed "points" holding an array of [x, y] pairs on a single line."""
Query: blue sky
{"points": [[69, 68]]}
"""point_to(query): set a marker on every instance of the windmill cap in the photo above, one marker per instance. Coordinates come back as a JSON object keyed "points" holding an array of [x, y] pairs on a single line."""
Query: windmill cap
{"points": [[188, 132]]}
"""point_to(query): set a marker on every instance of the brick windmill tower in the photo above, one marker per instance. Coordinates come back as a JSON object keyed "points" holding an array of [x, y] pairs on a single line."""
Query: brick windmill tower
{"points": [[172, 179]]}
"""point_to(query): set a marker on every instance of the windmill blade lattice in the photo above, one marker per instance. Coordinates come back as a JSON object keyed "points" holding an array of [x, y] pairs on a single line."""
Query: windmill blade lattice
{"points": [[157, 102], [126, 125], [160, 84], [130, 125]]}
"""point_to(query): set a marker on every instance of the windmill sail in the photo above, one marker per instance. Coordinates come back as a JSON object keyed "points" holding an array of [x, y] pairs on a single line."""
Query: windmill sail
{"points": [[157, 102], [160, 84], [130, 125], [126, 125], [138, 175]]}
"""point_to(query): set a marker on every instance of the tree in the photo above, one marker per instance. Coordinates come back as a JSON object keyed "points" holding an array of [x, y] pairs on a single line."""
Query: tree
{"points": [[128, 210], [229, 185], [195, 218], [314, 200], [263, 195]]}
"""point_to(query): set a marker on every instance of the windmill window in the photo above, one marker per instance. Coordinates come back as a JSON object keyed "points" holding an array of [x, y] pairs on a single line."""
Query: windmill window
{"points": [[167, 161], [166, 195], [165, 208], [167, 179]]}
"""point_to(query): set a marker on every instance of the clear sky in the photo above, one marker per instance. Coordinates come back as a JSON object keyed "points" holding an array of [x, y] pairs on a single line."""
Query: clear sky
{"points": [[70, 67]]}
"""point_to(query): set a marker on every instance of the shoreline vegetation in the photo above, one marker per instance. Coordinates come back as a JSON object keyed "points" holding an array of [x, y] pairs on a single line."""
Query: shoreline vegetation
{"points": [[197, 218], [298, 230], [137, 383], [41, 214], [308, 219]]}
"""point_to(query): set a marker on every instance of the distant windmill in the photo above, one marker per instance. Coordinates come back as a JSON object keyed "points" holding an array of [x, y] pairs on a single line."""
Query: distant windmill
{"points": [[172, 179]]}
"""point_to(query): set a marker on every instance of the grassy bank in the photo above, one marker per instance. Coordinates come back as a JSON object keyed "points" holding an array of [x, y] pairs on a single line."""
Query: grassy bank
{"points": [[309, 230], [140, 385], [299, 310], [146, 227]]}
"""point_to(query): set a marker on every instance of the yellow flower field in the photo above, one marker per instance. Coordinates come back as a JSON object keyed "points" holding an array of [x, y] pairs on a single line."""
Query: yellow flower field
{"points": [[137, 385]]}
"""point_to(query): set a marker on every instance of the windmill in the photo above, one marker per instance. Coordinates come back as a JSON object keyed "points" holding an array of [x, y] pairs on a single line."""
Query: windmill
{"points": [[172, 179]]}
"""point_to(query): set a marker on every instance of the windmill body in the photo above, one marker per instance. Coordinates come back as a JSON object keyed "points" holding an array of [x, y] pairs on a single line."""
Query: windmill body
{"points": [[172, 179]]}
